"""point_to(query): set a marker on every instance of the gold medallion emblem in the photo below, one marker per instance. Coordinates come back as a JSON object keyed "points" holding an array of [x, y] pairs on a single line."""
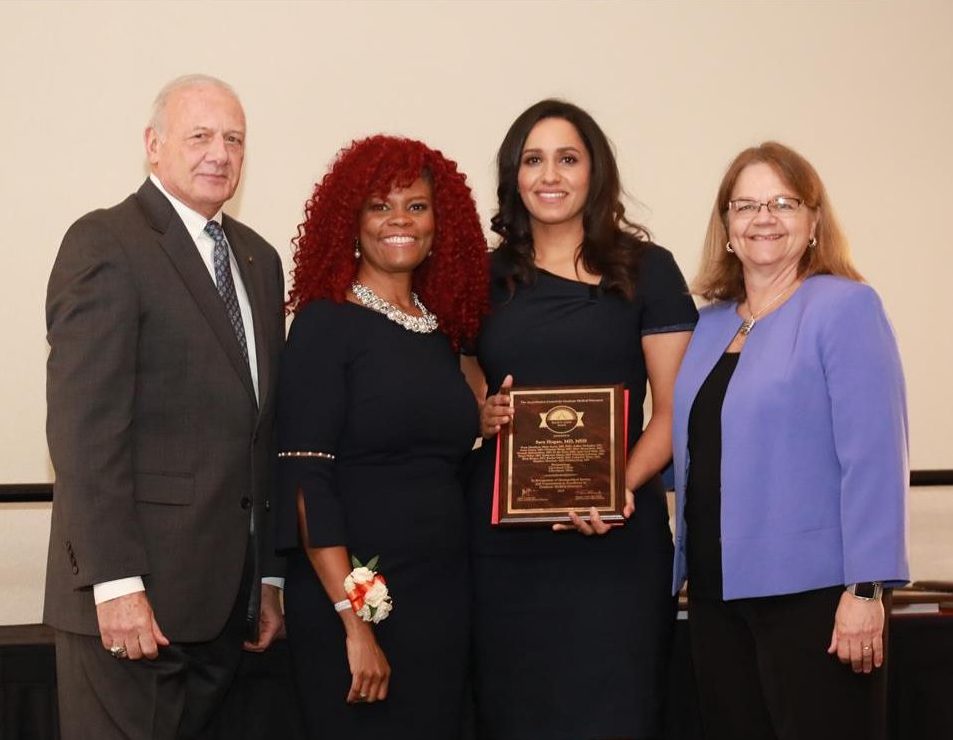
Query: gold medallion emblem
{"points": [[561, 419]]}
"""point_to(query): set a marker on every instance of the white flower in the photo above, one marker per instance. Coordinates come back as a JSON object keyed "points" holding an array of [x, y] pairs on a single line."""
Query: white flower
{"points": [[365, 587], [376, 594], [356, 576], [382, 611]]}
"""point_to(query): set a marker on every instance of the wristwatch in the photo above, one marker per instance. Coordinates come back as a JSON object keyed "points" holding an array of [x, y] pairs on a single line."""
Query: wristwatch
{"points": [[866, 590]]}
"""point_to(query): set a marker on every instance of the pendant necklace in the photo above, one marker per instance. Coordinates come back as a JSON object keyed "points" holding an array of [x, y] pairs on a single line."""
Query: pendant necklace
{"points": [[748, 324], [423, 324]]}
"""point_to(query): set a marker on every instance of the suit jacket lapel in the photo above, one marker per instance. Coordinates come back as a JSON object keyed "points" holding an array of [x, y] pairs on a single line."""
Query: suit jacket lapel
{"points": [[178, 245]]}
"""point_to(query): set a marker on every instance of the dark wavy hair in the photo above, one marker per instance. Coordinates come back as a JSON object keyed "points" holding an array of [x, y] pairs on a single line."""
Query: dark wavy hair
{"points": [[452, 282], [611, 244]]}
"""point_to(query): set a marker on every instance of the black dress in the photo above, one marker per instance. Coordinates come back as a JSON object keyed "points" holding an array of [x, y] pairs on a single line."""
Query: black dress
{"points": [[571, 633], [395, 410]]}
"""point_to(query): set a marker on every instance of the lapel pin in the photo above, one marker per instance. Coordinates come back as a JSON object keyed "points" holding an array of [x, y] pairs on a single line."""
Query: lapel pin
{"points": [[250, 259]]}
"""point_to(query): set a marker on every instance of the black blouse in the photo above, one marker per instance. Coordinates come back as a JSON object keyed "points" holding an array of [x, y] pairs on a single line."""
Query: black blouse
{"points": [[703, 496]]}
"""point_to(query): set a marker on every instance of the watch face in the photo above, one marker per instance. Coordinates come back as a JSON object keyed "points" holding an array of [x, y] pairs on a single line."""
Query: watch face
{"points": [[865, 590]]}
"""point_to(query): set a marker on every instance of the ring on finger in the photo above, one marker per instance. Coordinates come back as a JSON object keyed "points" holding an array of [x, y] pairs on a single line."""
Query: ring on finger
{"points": [[118, 651], [866, 648]]}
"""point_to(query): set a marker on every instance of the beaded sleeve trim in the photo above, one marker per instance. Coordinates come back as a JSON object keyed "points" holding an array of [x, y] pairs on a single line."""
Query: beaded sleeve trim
{"points": [[296, 453]]}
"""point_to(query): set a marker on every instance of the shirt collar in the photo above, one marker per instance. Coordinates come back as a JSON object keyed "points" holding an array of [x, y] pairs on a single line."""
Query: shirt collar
{"points": [[193, 220]]}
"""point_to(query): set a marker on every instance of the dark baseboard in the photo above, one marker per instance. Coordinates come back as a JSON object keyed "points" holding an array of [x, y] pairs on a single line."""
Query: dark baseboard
{"points": [[931, 477], [20, 493], [25, 634]]}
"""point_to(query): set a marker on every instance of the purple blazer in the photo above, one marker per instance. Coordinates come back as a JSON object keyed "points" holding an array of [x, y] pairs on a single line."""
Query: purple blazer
{"points": [[814, 468]]}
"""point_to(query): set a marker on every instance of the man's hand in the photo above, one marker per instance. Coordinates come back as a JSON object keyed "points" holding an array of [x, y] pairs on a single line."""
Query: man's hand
{"points": [[128, 622], [271, 620]]}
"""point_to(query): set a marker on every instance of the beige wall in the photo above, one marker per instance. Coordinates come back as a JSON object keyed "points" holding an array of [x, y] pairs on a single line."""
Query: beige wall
{"points": [[862, 88]]}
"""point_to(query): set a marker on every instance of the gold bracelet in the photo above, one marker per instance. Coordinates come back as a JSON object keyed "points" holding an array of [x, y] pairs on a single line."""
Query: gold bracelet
{"points": [[322, 455]]}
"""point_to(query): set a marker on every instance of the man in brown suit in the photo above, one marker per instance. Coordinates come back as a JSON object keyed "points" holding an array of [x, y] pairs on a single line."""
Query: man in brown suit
{"points": [[165, 323]]}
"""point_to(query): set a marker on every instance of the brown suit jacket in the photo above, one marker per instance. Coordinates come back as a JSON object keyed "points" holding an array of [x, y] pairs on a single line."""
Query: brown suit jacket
{"points": [[160, 450]]}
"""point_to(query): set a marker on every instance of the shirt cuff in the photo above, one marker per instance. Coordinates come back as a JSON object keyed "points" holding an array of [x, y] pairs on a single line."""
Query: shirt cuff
{"points": [[274, 581], [114, 589]]}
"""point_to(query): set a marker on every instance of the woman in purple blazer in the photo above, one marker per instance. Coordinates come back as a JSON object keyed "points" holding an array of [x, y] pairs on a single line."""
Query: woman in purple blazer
{"points": [[790, 447]]}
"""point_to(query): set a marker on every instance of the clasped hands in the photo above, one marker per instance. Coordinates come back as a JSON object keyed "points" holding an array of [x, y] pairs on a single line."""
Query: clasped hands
{"points": [[497, 412]]}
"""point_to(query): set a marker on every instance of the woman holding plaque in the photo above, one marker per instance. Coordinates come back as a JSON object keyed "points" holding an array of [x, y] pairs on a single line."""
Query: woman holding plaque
{"points": [[571, 627], [790, 466], [374, 421]]}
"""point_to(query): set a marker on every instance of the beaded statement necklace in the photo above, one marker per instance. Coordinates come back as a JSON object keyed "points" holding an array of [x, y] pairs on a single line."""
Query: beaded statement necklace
{"points": [[423, 324]]}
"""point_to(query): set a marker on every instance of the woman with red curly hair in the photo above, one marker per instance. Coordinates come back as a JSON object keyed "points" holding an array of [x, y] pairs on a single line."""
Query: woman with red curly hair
{"points": [[374, 421]]}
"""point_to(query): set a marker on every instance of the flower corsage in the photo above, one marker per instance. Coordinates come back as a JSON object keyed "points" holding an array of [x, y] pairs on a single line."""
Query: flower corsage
{"points": [[367, 591]]}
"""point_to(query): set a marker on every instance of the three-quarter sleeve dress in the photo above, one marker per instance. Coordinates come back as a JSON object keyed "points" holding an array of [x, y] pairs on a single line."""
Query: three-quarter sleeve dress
{"points": [[393, 409]]}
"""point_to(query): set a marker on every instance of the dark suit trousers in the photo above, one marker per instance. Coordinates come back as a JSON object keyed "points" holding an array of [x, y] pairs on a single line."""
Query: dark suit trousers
{"points": [[172, 697], [763, 671]]}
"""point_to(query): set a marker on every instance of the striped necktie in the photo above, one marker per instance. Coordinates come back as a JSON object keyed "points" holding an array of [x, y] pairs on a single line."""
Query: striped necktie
{"points": [[225, 284]]}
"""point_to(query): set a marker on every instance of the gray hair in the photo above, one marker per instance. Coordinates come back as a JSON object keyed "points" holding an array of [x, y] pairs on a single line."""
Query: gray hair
{"points": [[157, 117]]}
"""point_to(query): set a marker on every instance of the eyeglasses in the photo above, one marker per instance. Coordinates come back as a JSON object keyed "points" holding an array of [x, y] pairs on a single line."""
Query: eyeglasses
{"points": [[782, 205]]}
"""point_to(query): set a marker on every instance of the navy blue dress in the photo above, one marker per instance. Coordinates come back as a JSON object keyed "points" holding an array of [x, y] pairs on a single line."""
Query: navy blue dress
{"points": [[395, 410], [571, 633]]}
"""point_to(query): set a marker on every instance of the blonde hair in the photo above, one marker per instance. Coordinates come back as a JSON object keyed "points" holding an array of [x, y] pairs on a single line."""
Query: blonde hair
{"points": [[720, 277]]}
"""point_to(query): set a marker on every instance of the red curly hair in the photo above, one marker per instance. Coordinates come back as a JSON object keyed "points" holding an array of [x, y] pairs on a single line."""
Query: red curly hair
{"points": [[453, 282]]}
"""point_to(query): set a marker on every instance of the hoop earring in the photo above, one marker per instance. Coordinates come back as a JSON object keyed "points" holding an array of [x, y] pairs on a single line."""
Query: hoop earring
{"points": [[812, 243], [357, 248], [728, 248]]}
